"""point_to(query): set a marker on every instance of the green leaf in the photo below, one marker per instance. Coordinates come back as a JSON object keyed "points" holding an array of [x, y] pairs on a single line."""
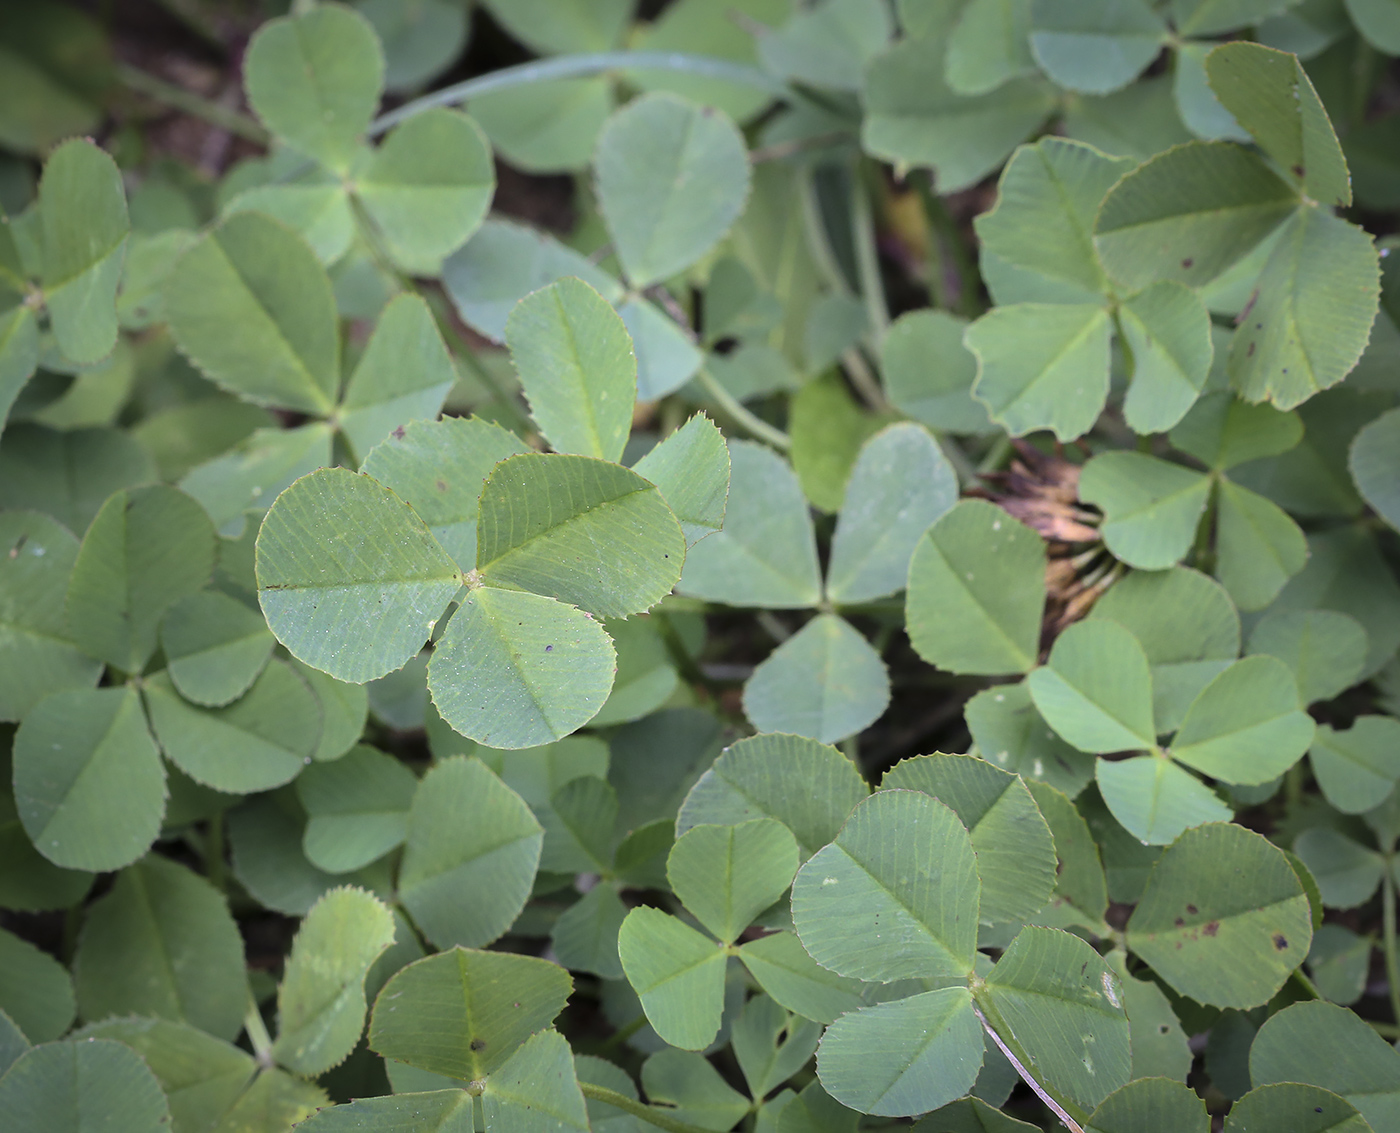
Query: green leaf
{"points": [[1247, 726], [903, 1058], [321, 1003], [666, 356], [403, 375], [770, 1045], [258, 742], [1014, 848], [1167, 331], [1326, 650], [146, 549], [1318, 296], [1095, 47], [547, 126], [1223, 919], [357, 808], [553, 27], [1346, 872], [274, 1100], [69, 475], [314, 79], [691, 467], [579, 823], [895, 896], [575, 362], [1222, 431], [1211, 17], [1062, 1005], [1043, 220], [1151, 507], [828, 427], [202, 1076], [82, 1087], [928, 372], [900, 485], [250, 305], [37, 656], [971, 1115], [1374, 466], [691, 1089], [36, 993], [516, 670], [727, 875], [470, 859], [359, 606], [1188, 214], [828, 45], [1356, 767], [251, 475], [1150, 1105], [1155, 800], [766, 553], [537, 1091], [1042, 366], [914, 117], [82, 209], [1187, 626], [29, 882], [265, 836], [19, 354], [809, 787], [1339, 962], [439, 467], [343, 711], [505, 262], [420, 1111], [1258, 547], [786, 972], [677, 972], [646, 678], [428, 186], [1096, 688], [826, 681], [585, 935], [672, 178], [1377, 22], [587, 532], [456, 1013], [976, 591], [162, 943], [89, 784], [215, 647], [1159, 1044], [1308, 1109], [1320, 1044], [1271, 96], [316, 208], [1012, 734]]}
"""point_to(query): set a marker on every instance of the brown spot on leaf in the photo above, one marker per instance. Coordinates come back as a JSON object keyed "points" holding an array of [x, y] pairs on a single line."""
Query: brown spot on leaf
{"points": [[1180, 921], [1192, 910], [478, 1044], [441, 485], [1298, 171], [1280, 941], [1250, 352], [398, 433], [1187, 263], [1212, 927]]}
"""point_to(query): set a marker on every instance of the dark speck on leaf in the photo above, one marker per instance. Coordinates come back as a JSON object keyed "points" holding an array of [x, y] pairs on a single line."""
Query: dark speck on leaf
{"points": [[549, 649], [1212, 927], [1163, 1028], [1250, 352], [1180, 921], [1258, 326], [398, 433], [1280, 941], [478, 1044], [1192, 909], [1187, 263], [442, 485], [1298, 172]]}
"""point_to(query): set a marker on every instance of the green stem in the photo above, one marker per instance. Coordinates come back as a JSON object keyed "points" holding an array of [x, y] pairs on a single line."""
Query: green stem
{"points": [[257, 1036], [72, 926], [1026, 1075], [627, 1030], [864, 380], [872, 287], [187, 102], [1392, 957], [628, 1105], [967, 474], [996, 455], [963, 269], [1385, 1030], [578, 67], [214, 867], [741, 416]]}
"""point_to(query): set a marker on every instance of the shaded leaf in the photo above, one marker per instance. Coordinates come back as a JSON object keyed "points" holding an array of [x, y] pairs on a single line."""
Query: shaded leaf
{"points": [[691, 467], [677, 972], [82, 1087], [1258, 547], [215, 647], [727, 875], [537, 1091], [1011, 733], [36, 992], [1151, 507], [356, 808], [1357, 766], [1095, 47], [1325, 650], [1167, 330]]}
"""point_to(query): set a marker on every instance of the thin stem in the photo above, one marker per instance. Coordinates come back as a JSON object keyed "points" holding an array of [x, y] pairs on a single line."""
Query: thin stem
{"points": [[259, 1038], [214, 867], [996, 455], [872, 287], [1027, 1076], [1385, 1030], [1388, 946], [578, 67], [967, 474], [647, 1113], [624, 1032], [187, 102], [741, 416], [961, 268], [72, 926], [864, 380]]}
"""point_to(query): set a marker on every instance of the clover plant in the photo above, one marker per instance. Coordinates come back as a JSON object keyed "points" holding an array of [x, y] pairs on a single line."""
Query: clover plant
{"points": [[887, 611]]}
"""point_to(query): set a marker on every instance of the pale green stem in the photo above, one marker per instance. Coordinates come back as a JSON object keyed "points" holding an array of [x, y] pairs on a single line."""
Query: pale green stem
{"points": [[187, 102], [1026, 1075], [647, 1113], [1388, 945], [872, 287], [214, 853], [864, 380], [741, 416], [259, 1038], [579, 67]]}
